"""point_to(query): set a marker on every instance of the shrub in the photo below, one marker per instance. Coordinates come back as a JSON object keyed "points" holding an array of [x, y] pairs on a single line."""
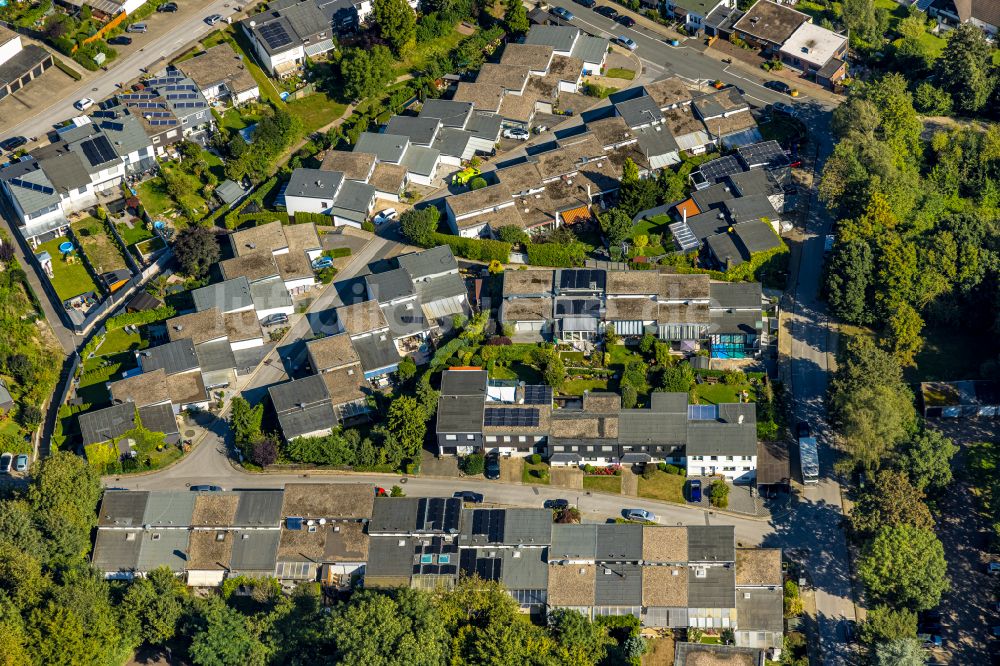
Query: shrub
{"points": [[649, 471], [671, 469], [718, 494], [662, 466], [368, 226], [473, 464], [588, 468], [536, 458], [396, 491], [473, 248], [477, 183], [556, 255], [337, 252]]}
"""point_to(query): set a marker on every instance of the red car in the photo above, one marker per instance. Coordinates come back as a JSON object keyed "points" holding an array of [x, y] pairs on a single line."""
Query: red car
{"points": [[380, 492]]}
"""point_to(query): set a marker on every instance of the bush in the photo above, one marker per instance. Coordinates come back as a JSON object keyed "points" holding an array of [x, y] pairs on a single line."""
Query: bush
{"points": [[473, 464], [139, 318], [477, 183], [649, 471], [396, 491], [536, 458], [588, 469], [473, 248], [672, 469], [315, 218], [662, 466], [337, 252], [368, 226], [556, 255], [718, 494]]}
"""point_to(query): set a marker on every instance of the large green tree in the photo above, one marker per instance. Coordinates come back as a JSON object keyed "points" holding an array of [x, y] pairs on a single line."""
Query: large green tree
{"points": [[397, 24], [365, 72], [516, 17], [420, 225], [927, 460], [892, 501], [900, 652], [63, 494], [849, 287], [407, 422], [224, 637], [196, 250], [904, 566], [884, 623], [965, 69], [616, 225], [152, 607]]}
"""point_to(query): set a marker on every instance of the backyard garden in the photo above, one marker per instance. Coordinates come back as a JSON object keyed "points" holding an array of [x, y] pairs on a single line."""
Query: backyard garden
{"points": [[70, 276], [98, 245]]}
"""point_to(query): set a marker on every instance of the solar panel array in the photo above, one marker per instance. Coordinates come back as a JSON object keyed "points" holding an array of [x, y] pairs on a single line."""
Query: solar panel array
{"points": [[438, 514], [703, 412], [512, 417], [115, 127], [160, 114], [768, 153], [179, 88], [274, 35], [683, 236], [99, 150], [487, 568], [189, 105], [136, 97], [489, 523], [718, 169], [149, 105], [104, 114], [164, 80], [165, 121], [34, 187], [437, 558], [537, 394], [581, 278], [578, 306]]}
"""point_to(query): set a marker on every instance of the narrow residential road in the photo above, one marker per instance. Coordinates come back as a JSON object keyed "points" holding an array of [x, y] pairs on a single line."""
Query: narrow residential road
{"points": [[153, 53]]}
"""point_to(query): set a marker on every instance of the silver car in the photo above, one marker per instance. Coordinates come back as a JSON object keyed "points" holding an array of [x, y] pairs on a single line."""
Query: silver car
{"points": [[640, 514]]}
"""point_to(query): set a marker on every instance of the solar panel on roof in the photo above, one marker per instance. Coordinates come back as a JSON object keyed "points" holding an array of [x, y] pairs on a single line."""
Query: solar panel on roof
{"points": [[511, 417], [537, 395], [164, 80], [104, 114], [683, 235], [719, 168], [186, 95], [34, 187], [116, 127], [581, 278], [150, 105], [135, 97], [703, 412], [274, 35], [162, 122], [98, 150], [767, 153]]}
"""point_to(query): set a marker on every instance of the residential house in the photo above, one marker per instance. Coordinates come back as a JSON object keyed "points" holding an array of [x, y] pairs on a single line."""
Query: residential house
{"points": [[982, 13], [722, 440], [115, 422], [19, 64], [277, 261], [368, 329], [693, 13], [421, 162], [347, 201], [181, 364], [221, 75], [727, 117], [354, 166], [287, 33], [474, 213], [460, 411], [440, 288], [960, 399], [737, 320], [818, 53], [528, 304], [334, 359], [172, 108], [759, 599], [767, 25], [303, 407], [669, 93]]}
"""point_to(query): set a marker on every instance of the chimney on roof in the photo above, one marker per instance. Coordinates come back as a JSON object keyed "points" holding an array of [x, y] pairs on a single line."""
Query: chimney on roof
{"points": [[741, 419], [178, 327]]}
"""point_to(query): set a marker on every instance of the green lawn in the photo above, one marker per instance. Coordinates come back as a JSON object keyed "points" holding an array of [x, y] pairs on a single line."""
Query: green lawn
{"points": [[418, 57], [315, 111], [604, 484], [99, 247], [620, 73], [214, 164], [578, 386], [119, 341], [663, 486], [715, 394], [517, 371], [70, 278], [154, 196], [134, 234], [537, 474], [621, 355], [574, 359]]}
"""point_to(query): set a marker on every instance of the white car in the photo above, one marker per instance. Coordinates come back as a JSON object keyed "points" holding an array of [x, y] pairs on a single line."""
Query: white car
{"points": [[626, 42], [83, 104], [516, 133], [388, 215]]}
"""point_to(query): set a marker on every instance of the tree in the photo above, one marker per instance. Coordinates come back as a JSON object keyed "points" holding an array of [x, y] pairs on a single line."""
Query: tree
{"points": [[904, 328], [151, 607], [859, 19], [884, 624], [397, 24], [246, 423], [512, 234], [662, 355], [265, 452], [616, 225], [931, 101], [224, 637], [873, 420], [647, 342], [419, 226], [792, 599], [904, 566], [63, 494], [365, 72], [900, 652], [21, 578], [718, 493], [677, 378], [495, 267], [196, 250], [610, 337], [407, 421], [473, 464], [965, 69], [629, 396], [892, 501], [849, 288], [477, 183], [516, 17], [554, 373], [927, 459], [579, 640], [406, 369]]}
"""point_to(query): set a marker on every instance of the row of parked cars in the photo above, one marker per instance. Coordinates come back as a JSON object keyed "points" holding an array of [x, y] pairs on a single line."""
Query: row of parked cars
{"points": [[11, 463]]}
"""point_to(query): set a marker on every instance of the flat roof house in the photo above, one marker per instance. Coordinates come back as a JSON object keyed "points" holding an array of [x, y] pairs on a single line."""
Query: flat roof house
{"points": [[767, 25], [114, 422], [368, 329], [346, 201], [303, 407], [693, 13], [817, 52]]}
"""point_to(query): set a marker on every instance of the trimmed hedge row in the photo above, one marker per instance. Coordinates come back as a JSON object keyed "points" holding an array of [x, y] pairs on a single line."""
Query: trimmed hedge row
{"points": [[66, 69], [315, 218], [232, 219], [338, 252], [556, 255], [139, 318], [474, 248]]}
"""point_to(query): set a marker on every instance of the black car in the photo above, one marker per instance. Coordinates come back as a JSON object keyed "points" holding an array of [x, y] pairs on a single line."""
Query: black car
{"points": [[469, 496], [608, 12], [626, 21], [779, 86], [492, 470], [13, 143], [589, 4], [167, 7], [556, 504], [802, 430], [120, 40], [207, 489]]}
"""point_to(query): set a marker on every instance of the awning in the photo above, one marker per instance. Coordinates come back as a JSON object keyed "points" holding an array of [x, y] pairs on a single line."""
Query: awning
{"points": [[565, 458], [631, 458]]}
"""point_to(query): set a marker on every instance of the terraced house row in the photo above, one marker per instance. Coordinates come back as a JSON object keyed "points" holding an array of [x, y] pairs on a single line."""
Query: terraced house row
{"points": [[667, 576]]}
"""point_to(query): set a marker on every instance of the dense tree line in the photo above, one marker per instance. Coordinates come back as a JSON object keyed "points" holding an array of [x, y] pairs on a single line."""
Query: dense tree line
{"points": [[918, 220]]}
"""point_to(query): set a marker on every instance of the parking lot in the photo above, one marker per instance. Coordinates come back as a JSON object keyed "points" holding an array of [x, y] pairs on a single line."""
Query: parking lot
{"points": [[968, 610]]}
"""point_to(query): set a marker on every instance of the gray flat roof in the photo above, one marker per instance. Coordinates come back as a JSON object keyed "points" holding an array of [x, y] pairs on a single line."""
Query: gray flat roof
{"points": [[122, 508], [376, 351], [117, 550], [355, 196], [421, 131], [314, 183], [164, 548], [445, 286], [106, 424], [716, 589], [387, 147], [449, 112], [590, 49], [618, 584], [297, 393], [227, 296], [573, 542], [421, 160], [711, 543], [259, 508], [639, 111], [169, 508], [390, 285], [305, 420], [760, 609], [416, 515], [460, 414], [173, 357], [270, 293], [559, 37], [735, 295], [436, 260], [452, 141], [215, 355], [464, 382], [255, 550], [617, 543]]}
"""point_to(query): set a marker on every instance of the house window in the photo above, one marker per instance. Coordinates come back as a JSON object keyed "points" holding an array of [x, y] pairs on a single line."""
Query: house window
{"points": [[450, 438], [729, 457], [491, 438], [713, 458], [522, 439], [326, 205], [470, 437]]}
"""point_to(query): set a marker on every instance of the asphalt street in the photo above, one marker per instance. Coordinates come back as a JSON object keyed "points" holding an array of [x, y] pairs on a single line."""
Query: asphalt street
{"points": [[152, 54]]}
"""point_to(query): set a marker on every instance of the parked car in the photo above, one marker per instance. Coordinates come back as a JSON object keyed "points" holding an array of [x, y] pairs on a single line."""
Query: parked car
{"points": [[388, 215], [802, 430], [640, 514], [5, 463], [21, 463], [275, 319], [516, 133], [137, 27], [564, 14], [13, 143], [207, 488], [934, 641], [469, 496], [607, 12], [83, 104], [778, 86], [589, 4], [556, 504], [622, 40], [322, 262], [626, 21], [694, 490], [120, 40], [492, 469], [994, 567], [167, 7], [213, 19], [784, 109]]}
